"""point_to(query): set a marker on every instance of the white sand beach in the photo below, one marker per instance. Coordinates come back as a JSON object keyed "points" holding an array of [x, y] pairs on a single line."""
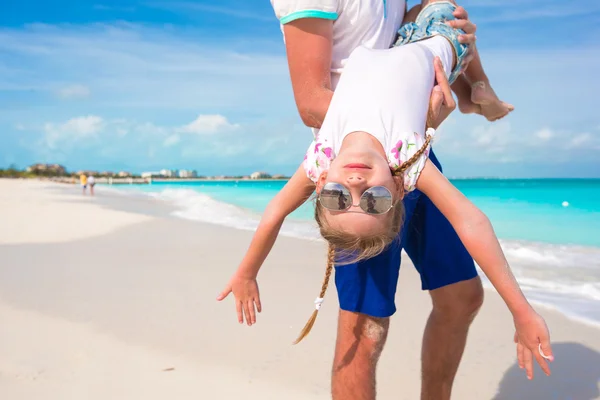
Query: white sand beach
{"points": [[111, 298]]}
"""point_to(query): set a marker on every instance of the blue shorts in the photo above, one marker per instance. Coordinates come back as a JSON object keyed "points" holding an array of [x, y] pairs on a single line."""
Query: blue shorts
{"points": [[369, 286]]}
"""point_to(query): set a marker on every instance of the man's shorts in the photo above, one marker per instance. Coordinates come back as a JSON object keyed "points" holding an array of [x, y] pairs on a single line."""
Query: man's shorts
{"points": [[369, 286]]}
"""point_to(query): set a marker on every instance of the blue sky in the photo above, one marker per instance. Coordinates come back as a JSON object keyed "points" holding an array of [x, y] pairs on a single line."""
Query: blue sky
{"points": [[145, 85]]}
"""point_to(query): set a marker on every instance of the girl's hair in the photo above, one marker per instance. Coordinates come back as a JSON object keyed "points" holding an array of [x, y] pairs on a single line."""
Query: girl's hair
{"points": [[348, 248]]}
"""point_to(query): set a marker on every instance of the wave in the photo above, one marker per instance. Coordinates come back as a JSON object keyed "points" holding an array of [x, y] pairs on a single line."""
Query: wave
{"points": [[200, 207], [562, 277]]}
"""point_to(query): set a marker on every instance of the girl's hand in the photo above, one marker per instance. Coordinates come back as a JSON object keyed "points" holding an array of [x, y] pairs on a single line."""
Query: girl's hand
{"points": [[247, 297], [441, 103], [531, 332]]}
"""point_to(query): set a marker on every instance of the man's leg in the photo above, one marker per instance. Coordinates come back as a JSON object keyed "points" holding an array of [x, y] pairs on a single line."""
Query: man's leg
{"points": [[366, 293], [445, 337], [360, 340]]}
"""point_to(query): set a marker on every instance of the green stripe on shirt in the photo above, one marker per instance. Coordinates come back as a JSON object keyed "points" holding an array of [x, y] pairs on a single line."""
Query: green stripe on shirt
{"points": [[308, 14]]}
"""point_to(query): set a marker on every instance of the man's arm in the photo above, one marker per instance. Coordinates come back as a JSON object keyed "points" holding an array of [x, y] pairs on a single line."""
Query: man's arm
{"points": [[293, 195], [308, 43], [411, 15]]}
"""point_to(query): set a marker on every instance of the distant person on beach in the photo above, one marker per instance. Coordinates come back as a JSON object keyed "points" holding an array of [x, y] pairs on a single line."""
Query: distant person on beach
{"points": [[92, 182], [84, 181], [319, 37]]}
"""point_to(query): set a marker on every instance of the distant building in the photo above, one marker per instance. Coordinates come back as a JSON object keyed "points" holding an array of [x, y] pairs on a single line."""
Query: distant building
{"points": [[107, 173], [150, 174], [124, 174], [187, 173], [168, 173], [259, 175], [47, 169], [279, 176]]}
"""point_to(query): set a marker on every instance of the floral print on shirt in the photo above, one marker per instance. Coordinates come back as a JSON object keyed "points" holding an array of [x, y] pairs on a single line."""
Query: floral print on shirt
{"points": [[318, 158], [320, 154]]}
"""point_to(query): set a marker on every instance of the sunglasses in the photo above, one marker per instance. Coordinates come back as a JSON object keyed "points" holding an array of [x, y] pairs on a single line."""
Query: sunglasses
{"points": [[375, 200]]}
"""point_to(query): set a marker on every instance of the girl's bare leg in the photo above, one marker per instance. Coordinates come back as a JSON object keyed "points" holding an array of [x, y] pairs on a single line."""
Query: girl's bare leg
{"points": [[482, 93]]}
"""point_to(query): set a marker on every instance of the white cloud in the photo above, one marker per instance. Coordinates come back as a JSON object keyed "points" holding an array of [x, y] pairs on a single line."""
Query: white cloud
{"points": [[149, 129], [209, 124], [73, 130], [502, 142], [121, 131], [492, 138], [544, 134], [74, 92], [171, 140], [580, 140], [136, 67], [20, 127]]}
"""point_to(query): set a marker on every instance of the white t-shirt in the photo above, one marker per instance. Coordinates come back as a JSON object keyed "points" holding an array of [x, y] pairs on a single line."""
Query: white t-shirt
{"points": [[386, 94], [91, 180], [369, 23]]}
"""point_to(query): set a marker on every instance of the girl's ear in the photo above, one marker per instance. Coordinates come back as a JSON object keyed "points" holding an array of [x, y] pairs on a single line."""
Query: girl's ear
{"points": [[399, 181], [321, 181]]}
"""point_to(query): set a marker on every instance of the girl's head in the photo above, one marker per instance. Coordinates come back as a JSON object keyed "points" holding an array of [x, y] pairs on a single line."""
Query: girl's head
{"points": [[359, 207]]}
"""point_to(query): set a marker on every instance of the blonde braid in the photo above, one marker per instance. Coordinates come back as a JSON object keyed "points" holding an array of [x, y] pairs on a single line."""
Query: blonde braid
{"points": [[311, 321], [408, 163]]}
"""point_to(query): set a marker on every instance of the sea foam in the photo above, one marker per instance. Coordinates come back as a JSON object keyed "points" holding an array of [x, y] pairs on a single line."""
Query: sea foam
{"points": [[563, 277]]}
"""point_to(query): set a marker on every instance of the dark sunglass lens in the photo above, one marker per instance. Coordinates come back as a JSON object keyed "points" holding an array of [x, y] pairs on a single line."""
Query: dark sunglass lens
{"points": [[335, 197], [376, 200]]}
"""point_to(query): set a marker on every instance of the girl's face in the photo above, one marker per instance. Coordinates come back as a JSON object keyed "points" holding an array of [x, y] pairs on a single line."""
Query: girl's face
{"points": [[358, 168]]}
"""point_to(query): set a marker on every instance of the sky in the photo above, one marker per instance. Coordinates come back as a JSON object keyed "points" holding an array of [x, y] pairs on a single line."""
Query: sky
{"points": [[146, 85]]}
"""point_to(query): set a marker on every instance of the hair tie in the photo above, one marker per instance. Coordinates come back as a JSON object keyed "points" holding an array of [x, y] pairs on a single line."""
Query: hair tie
{"points": [[318, 302]]}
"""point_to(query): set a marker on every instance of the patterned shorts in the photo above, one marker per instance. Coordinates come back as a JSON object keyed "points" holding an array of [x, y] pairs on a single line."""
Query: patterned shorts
{"points": [[430, 22]]}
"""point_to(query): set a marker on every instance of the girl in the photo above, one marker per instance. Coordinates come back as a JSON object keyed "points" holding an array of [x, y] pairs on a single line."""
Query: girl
{"points": [[371, 149]]}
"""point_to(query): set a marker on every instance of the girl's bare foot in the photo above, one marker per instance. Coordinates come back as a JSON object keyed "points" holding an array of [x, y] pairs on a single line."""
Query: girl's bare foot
{"points": [[466, 106], [492, 108]]}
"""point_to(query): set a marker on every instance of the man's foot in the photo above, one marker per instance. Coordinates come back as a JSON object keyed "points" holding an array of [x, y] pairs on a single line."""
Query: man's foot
{"points": [[492, 108]]}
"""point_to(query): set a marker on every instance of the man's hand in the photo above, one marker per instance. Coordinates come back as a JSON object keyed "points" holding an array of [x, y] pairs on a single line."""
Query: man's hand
{"points": [[441, 103], [531, 331], [462, 22], [247, 297]]}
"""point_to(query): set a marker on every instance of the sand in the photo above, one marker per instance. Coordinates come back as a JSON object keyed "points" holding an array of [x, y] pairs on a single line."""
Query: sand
{"points": [[110, 298]]}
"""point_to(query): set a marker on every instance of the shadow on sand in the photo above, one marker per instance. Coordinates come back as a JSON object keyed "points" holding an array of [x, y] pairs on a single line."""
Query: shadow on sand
{"points": [[575, 376]]}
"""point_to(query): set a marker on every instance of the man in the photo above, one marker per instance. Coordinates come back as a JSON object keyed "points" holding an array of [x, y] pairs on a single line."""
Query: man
{"points": [[319, 37]]}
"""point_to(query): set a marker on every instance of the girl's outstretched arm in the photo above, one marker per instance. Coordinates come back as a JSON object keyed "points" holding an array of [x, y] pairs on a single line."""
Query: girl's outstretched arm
{"points": [[477, 235], [243, 282], [295, 192]]}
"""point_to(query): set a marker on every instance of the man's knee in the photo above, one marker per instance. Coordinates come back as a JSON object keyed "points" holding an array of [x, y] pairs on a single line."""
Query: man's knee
{"points": [[360, 335], [460, 301]]}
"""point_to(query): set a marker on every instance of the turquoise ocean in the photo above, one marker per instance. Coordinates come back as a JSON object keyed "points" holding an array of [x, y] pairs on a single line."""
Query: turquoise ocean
{"points": [[549, 228]]}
